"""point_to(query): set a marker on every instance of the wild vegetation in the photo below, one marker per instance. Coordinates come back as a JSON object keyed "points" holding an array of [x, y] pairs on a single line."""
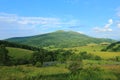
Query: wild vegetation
{"points": [[88, 62], [114, 47]]}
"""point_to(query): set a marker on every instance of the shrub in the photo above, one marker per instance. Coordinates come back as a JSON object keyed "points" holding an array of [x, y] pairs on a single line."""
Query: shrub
{"points": [[98, 58], [38, 64], [75, 67]]}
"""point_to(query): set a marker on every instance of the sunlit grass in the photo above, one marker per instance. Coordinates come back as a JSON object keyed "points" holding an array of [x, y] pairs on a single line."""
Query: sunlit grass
{"points": [[19, 53]]}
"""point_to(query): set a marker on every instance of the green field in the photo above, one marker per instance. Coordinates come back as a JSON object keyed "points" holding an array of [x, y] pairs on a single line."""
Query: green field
{"points": [[96, 50], [32, 73], [109, 70], [18, 53], [27, 72]]}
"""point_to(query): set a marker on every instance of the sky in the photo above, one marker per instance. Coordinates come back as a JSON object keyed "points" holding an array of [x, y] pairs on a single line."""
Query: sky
{"points": [[96, 18]]}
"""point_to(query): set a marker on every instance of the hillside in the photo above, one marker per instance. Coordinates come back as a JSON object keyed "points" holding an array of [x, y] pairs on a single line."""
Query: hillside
{"points": [[59, 39], [18, 45], [114, 47], [18, 53]]}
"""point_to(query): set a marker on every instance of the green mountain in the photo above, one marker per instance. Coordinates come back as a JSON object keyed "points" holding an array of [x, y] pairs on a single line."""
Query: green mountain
{"points": [[59, 39], [114, 47]]}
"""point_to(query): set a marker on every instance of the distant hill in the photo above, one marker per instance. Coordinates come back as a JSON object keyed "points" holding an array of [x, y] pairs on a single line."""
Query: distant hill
{"points": [[114, 47], [60, 39]]}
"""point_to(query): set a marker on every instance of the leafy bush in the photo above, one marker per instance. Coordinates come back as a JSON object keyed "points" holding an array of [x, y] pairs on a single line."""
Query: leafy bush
{"points": [[75, 67], [38, 64], [98, 58]]}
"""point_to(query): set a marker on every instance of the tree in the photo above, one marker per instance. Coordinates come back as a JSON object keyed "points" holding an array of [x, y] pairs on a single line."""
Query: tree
{"points": [[38, 56], [75, 64], [4, 57], [64, 55]]}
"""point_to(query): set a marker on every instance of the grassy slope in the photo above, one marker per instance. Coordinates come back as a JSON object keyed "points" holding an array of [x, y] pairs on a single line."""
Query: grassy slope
{"points": [[114, 47], [59, 39], [54, 72], [19, 53], [96, 50]]}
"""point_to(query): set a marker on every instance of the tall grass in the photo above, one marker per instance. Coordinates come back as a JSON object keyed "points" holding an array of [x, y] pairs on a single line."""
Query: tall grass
{"points": [[55, 73]]}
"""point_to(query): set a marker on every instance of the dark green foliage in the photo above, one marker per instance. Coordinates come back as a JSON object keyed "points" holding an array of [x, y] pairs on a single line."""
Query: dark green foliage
{"points": [[43, 56], [19, 61], [114, 47], [98, 58], [38, 64], [63, 55], [76, 57], [16, 45], [117, 58], [75, 67], [75, 63], [85, 55], [59, 39], [38, 56], [4, 57]]}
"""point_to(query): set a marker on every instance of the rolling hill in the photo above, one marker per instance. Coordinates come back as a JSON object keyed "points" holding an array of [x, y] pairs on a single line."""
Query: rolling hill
{"points": [[18, 53], [60, 39], [114, 47]]}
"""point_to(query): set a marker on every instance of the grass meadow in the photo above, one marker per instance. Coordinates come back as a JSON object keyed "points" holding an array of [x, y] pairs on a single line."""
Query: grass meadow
{"points": [[107, 69]]}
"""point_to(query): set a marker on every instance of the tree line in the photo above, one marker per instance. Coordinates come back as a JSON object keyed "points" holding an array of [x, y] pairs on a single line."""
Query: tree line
{"points": [[16, 45]]}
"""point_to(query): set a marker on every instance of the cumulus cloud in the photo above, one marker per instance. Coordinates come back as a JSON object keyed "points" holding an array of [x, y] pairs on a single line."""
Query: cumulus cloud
{"points": [[15, 25], [35, 21], [106, 28], [118, 25], [9, 18]]}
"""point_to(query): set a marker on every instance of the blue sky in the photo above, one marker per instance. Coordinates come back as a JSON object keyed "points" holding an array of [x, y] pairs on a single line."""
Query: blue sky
{"points": [[97, 18]]}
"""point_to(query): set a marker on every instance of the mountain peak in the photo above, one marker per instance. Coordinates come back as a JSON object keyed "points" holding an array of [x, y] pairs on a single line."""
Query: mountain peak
{"points": [[70, 31], [60, 31]]}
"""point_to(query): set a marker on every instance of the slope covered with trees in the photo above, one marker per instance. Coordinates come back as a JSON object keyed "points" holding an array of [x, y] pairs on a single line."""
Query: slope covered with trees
{"points": [[114, 47], [16, 45], [59, 39]]}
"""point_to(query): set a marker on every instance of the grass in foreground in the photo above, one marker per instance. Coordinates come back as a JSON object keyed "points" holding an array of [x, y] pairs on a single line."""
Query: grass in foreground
{"points": [[104, 71]]}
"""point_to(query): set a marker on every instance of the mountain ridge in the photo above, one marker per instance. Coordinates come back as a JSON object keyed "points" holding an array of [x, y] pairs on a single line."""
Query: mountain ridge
{"points": [[59, 38]]}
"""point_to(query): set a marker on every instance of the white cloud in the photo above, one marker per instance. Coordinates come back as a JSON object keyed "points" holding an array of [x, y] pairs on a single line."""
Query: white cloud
{"points": [[106, 28], [35, 21], [28, 20], [14, 25], [118, 25]]}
